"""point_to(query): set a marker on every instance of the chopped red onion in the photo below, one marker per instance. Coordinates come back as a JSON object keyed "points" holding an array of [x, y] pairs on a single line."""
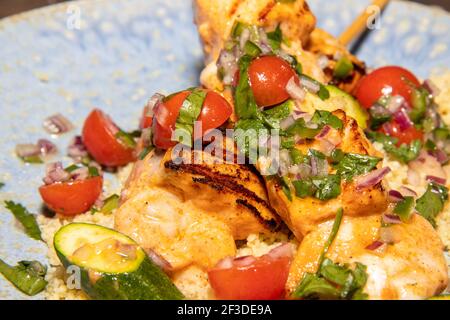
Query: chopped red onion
{"points": [[286, 123], [372, 178], [325, 130], [226, 263], [56, 173], [407, 192], [244, 261], [395, 196], [46, 147], [375, 245], [153, 102], [403, 120], [309, 84], [302, 115], [391, 218], [245, 36], [440, 156], [80, 174], [323, 61], [57, 124], [294, 90], [301, 171], [431, 87], [227, 62], [27, 150], [394, 104], [285, 56], [326, 146], [159, 260], [283, 250], [437, 180], [77, 150]]}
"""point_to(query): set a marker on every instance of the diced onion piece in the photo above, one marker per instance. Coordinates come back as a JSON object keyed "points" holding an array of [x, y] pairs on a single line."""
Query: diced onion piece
{"points": [[394, 104], [286, 123], [375, 245], [159, 260], [46, 147], [56, 173], [407, 192], [77, 150], [391, 218], [403, 120], [27, 150], [244, 261], [395, 196], [372, 178], [437, 180], [57, 124], [283, 250], [294, 90], [309, 84]]}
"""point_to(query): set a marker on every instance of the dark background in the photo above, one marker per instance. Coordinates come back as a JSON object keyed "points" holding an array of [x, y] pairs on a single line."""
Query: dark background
{"points": [[8, 7]]}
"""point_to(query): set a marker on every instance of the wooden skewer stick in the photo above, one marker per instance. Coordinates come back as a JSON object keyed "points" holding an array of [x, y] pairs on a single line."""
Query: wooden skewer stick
{"points": [[360, 23]]}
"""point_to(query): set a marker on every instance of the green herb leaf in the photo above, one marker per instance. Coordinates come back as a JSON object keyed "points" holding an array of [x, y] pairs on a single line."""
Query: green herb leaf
{"points": [[313, 286], [323, 118], [431, 203], [419, 103], [333, 234], [251, 49], [299, 128], [237, 29], [304, 188], [298, 157], [245, 104], [405, 153], [275, 38], [145, 152], [404, 209], [27, 276], [286, 188], [189, 112], [2, 184], [126, 138], [353, 164], [344, 67], [378, 116], [110, 203], [27, 219], [32, 159], [328, 187]]}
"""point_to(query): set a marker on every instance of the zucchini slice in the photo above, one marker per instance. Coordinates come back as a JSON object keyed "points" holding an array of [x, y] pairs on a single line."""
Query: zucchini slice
{"points": [[112, 265], [338, 100]]}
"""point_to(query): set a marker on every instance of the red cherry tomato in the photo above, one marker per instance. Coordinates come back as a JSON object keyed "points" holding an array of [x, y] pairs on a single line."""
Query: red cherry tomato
{"points": [[72, 198], [268, 77], [215, 112], [146, 119], [99, 138], [383, 81], [262, 278], [408, 135]]}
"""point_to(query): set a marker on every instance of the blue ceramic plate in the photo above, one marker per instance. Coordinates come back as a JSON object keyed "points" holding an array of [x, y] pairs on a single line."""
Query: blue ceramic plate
{"points": [[121, 52]]}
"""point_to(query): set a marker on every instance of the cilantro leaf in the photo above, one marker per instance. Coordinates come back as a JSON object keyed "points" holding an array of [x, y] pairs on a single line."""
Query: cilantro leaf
{"points": [[327, 187], [245, 104], [275, 38], [431, 203], [353, 164], [405, 153], [323, 118], [27, 219]]}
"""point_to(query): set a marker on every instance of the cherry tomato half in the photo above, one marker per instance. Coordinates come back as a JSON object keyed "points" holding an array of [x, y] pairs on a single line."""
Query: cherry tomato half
{"points": [[72, 198], [407, 135], [99, 138], [146, 119], [262, 278], [215, 112], [391, 80], [268, 77]]}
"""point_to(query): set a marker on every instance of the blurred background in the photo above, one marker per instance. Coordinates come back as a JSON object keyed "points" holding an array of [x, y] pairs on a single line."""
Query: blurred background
{"points": [[9, 7]]}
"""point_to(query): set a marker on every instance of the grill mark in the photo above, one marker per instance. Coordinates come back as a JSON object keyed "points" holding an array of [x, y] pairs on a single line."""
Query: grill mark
{"points": [[234, 7], [270, 224], [224, 181], [266, 10]]}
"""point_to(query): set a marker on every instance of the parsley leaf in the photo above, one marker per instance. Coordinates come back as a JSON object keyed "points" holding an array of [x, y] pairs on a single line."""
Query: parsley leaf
{"points": [[405, 153], [327, 187], [323, 118], [404, 209], [189, 112], [27, 219], [353, 164], [431, 203], [245, 104]]}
